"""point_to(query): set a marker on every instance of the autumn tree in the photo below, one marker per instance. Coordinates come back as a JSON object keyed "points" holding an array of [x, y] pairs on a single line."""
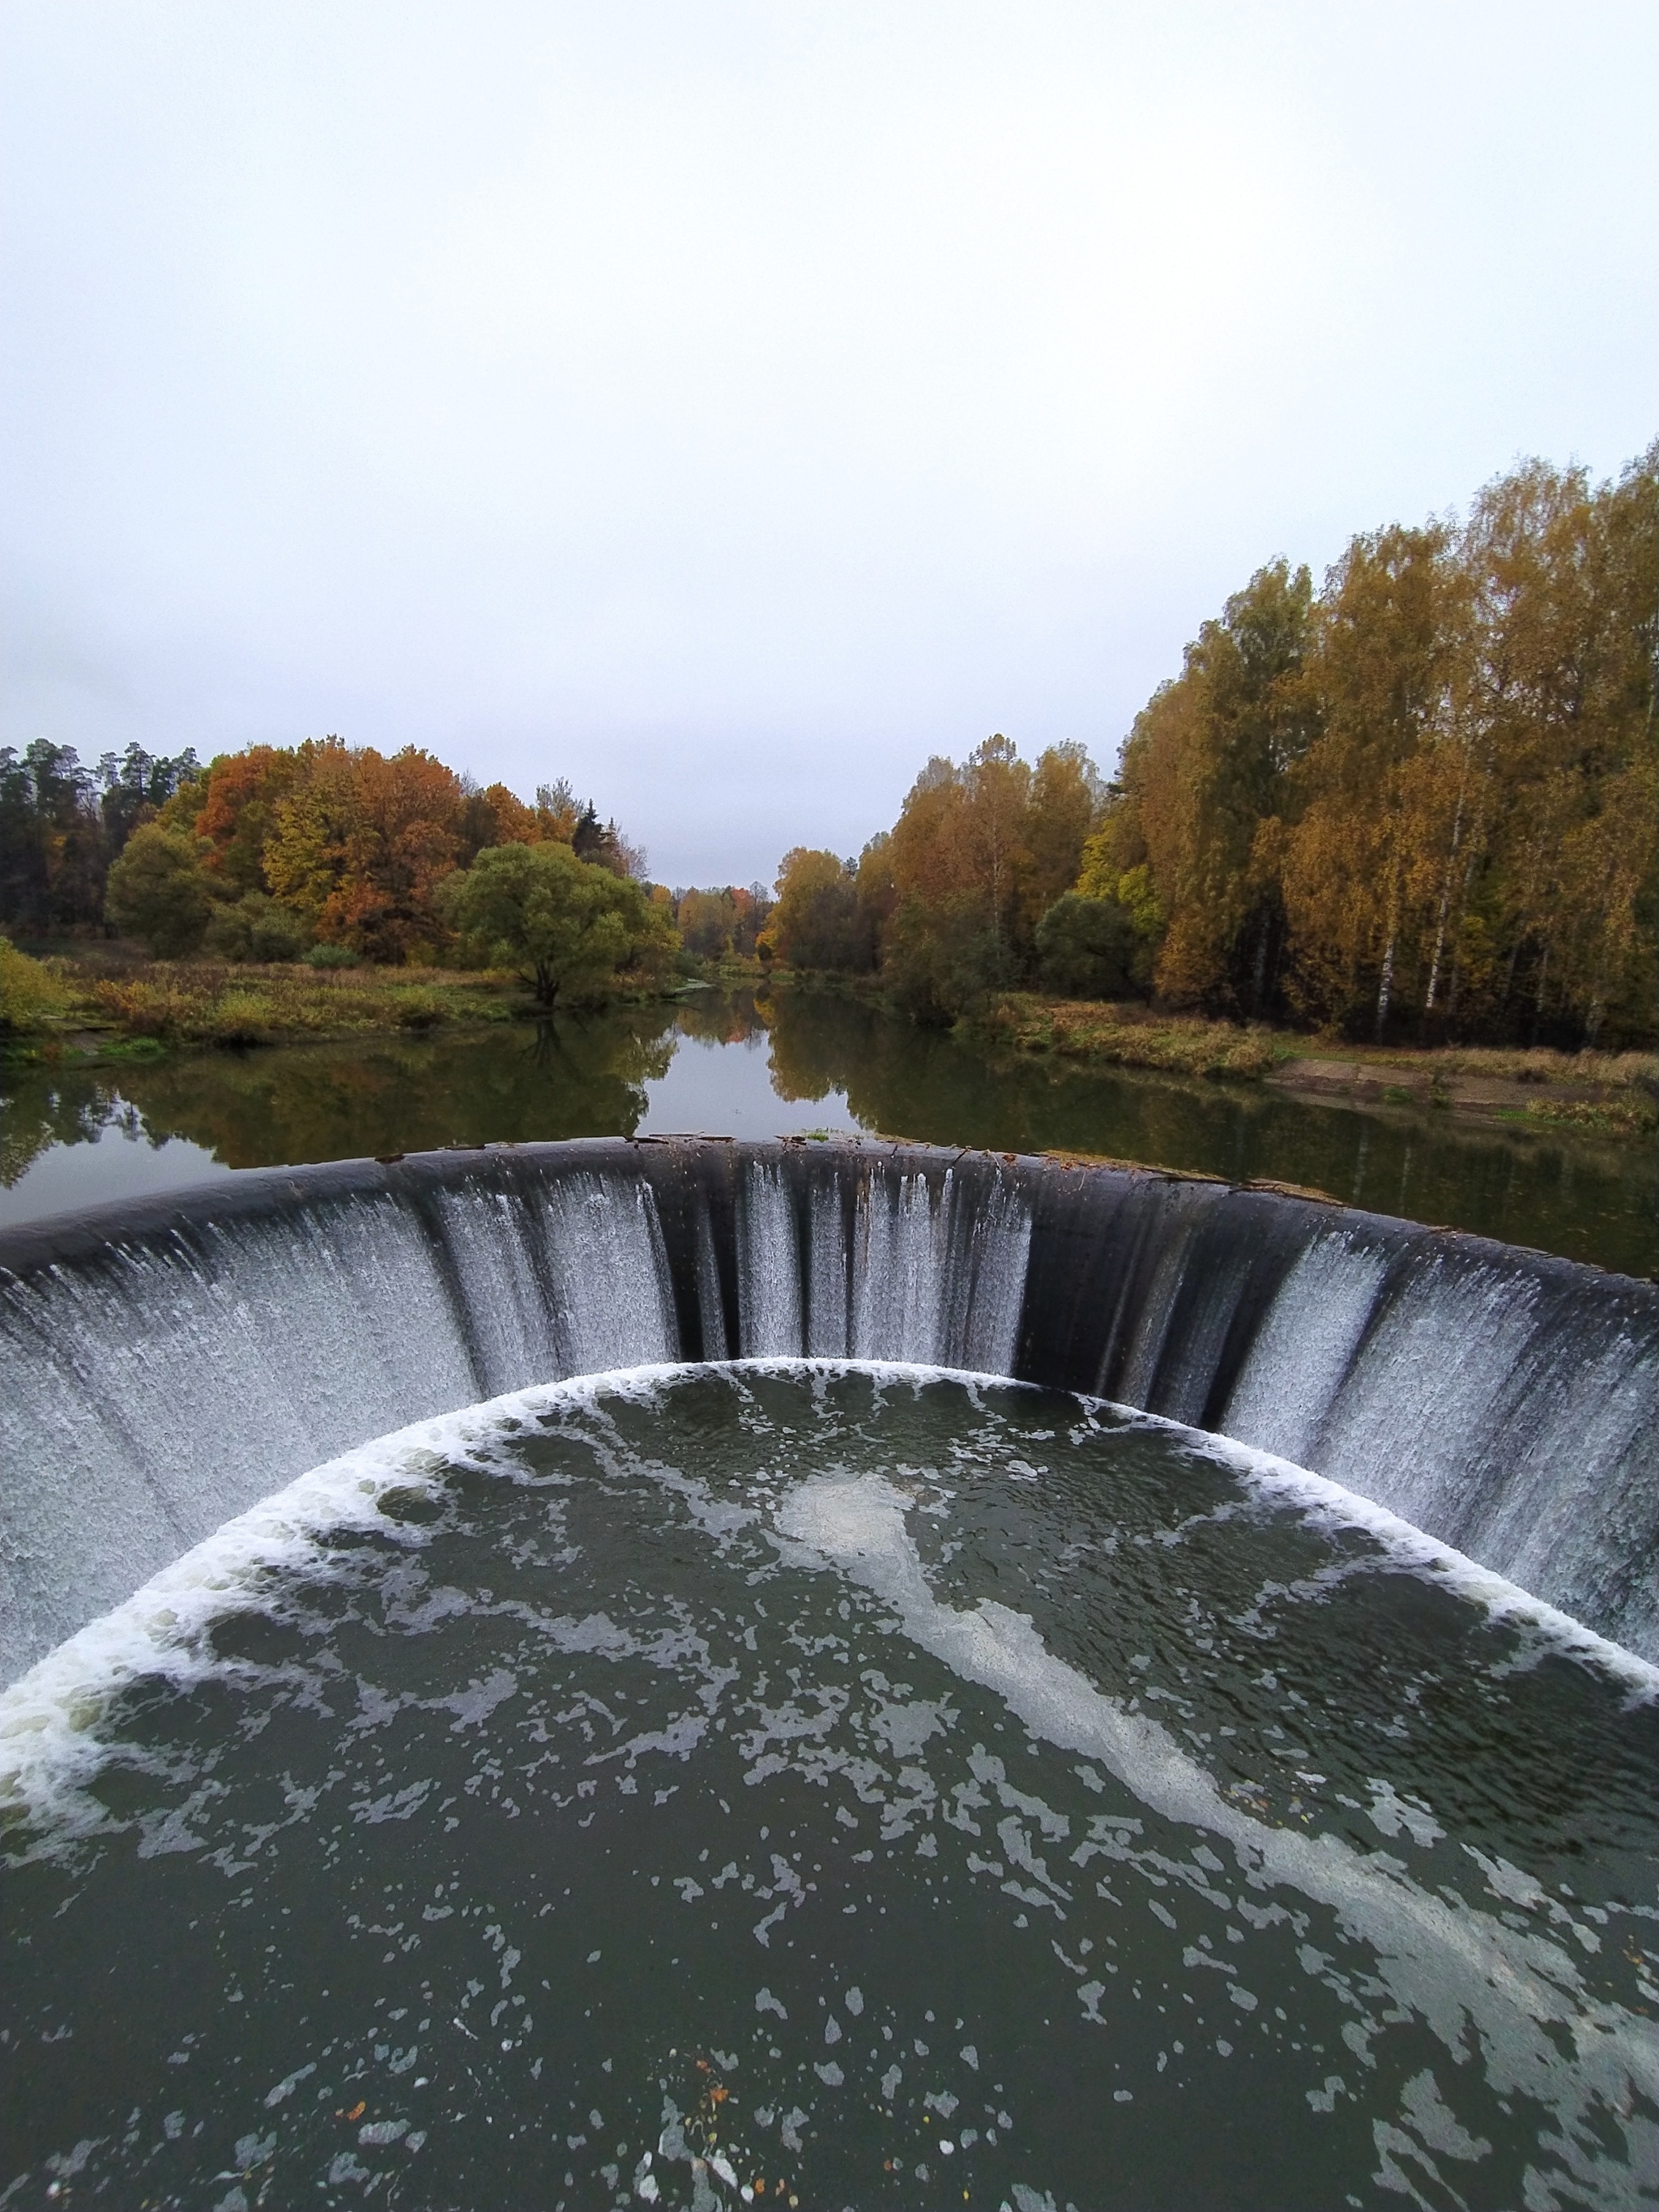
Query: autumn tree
{"points": [[1550, 901], [978, 855], [234, 813], [1203, 770], [1426, 799], [815, 923], [1353, 886], [494, 816], [1062, 806], [360, 843], [704, 921], [724, 923], [751, 909]]}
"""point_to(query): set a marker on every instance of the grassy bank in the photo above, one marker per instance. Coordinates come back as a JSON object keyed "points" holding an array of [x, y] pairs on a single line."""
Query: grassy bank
{"points": [[1132, 1037], [1607, 1094], [113, 1009], [1612, 1094]]}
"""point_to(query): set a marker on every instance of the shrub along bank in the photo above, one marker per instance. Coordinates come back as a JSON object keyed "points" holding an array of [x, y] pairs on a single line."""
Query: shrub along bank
{"points": [[49, 1007]]}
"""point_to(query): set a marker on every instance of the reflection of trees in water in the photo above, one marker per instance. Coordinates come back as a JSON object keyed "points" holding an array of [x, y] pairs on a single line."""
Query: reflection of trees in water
{"points": [[585, 1075], [575, 1076], [41, 1111], [721, 1017], [1592, 1200], [820, 1044], [599, 1065]]}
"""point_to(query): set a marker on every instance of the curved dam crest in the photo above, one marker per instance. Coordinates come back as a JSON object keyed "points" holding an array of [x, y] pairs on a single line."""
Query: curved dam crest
{"points": [[164, 1366]]}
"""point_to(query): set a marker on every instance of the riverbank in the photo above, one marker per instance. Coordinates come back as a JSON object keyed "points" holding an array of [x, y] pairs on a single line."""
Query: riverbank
{"points": [[1610, 1094], [115, 1007], [140, 1117], [115, 1011]]}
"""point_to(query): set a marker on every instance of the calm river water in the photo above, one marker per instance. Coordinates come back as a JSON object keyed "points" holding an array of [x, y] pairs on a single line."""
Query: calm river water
{"points": [[729, 1066]]}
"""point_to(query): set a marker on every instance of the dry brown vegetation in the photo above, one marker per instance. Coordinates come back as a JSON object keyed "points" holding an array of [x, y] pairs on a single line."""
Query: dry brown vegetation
{"points": [[1131, 1036], [1610, 1093], [209, 1002]]}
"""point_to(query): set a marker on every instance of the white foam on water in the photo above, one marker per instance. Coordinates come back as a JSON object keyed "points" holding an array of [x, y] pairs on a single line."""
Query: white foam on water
{"points": [[49, 1717], [1454, 1968], [1327, 1504], [1515, 1993]]}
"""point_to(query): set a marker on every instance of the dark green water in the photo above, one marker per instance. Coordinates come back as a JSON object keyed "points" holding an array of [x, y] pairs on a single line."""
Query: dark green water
{"points": [[725, 1067], [831, 1788]]}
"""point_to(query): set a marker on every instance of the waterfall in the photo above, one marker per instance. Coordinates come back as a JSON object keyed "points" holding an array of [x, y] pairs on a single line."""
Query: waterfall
{"points": [[1304, 1347], [768, 1265], [1504, 1401], [167, 1383], [164, 1366]]}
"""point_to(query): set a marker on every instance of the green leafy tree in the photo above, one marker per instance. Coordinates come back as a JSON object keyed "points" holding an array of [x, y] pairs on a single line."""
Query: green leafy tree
{"points": [[159, 891], [568, 926], [1088, 948], [258, 928], [944, 958]]}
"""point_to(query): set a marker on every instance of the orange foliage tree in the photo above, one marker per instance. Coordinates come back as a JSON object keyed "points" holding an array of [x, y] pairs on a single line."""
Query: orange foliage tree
{"points": [[360, 843]]}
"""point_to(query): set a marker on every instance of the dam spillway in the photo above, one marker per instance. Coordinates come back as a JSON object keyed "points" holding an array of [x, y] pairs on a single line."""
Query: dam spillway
{"points": [[164, 1366]]}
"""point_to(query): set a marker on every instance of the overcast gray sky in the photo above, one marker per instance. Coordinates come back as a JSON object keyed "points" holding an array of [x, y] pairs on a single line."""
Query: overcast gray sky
{"points": [[728, 405]]}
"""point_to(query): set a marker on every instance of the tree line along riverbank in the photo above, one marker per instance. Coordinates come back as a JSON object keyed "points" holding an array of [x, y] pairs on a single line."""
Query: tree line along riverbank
{"points": [[1415, 804], [1415, 808]]}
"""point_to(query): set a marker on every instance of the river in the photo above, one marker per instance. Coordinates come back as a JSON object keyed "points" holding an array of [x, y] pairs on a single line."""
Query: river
{"points": [[732, 1064]]}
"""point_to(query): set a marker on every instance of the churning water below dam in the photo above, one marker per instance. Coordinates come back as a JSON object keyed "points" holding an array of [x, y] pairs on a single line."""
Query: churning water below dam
{"points": [[738, 1747], [828, 1786]]}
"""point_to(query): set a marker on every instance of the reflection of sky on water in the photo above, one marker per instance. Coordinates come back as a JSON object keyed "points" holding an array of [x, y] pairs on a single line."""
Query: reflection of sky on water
{"points": [[721, 1089], [721, 1065], [713, 1086], [120, 1162]]}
